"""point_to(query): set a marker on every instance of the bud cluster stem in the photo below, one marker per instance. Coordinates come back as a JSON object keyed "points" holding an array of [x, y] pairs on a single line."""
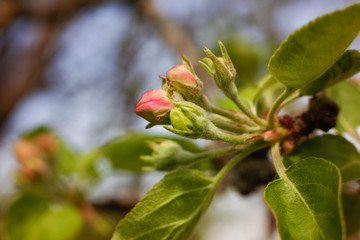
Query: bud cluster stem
{"points": [[287, 92], [253, 147], [238, 139], [230, 125], [234, 96], [213, 153], [236, 116], [279, 166]]}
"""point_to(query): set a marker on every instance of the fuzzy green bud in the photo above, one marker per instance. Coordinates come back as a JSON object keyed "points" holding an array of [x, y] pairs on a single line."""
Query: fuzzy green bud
{"points": [[179, 120], [167, 155], [221, 68], [189, 120]]}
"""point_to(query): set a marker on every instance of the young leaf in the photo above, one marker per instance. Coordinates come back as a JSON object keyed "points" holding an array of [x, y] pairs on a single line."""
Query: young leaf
{"points": [[170, 209], [347, 96], [345, 67], [335, 149], [310, 51], [307, 203], [351, 205]]}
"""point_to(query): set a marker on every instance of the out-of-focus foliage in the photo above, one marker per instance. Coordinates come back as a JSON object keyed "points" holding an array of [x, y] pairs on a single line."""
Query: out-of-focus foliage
{"points": [[351, 203], [33, 217], [346, 95], [54, 183]]}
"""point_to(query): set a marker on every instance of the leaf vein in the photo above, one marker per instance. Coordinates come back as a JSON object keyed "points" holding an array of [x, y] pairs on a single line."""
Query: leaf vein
{"points": [[287, 180], [317, 184], [172, 199], [177, 223]]}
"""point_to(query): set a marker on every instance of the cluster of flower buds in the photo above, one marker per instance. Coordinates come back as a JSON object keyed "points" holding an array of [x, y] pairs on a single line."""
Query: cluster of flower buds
{"points": [[34, 153], [182, 104]]}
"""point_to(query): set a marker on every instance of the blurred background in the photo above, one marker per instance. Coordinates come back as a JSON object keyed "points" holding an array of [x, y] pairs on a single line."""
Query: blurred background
{"points": [[80, 66]]}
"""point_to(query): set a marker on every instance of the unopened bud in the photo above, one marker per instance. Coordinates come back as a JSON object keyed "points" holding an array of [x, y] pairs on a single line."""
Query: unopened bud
{"points": [[189, 117], [155, 106], [179, 120], [184, 80], [190, 120], [221, 68], [34, 167], [167, 155], [46, 142], [31, 156], [25, 149]]}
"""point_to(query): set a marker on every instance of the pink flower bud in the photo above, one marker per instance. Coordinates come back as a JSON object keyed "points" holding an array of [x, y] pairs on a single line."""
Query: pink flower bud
{"points": [[180, 75], [154, 106], [183, 79], [31, 158]]}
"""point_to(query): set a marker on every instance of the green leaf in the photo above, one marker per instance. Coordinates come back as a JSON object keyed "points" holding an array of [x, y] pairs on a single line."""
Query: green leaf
{"points": [[347, 96], [170, 209], [21, 215], [335, 149], [311, 50], [124, 152], [307, 203], [32, 217], [351, 205], [345, 67], [59, 222]]}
